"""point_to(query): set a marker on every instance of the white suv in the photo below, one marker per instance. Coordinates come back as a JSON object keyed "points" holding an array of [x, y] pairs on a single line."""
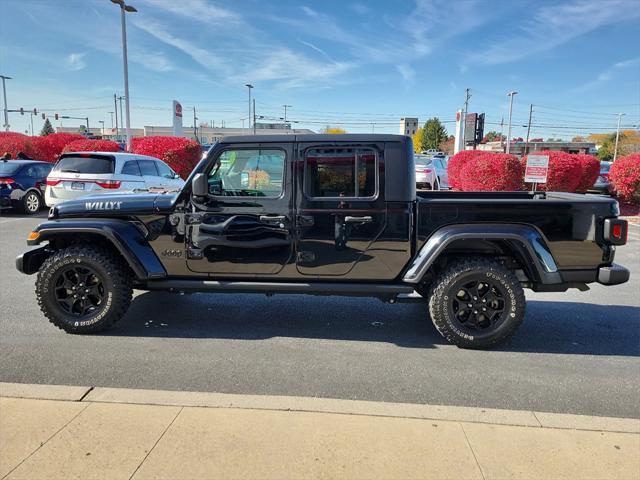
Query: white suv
{"points": [[92, 173]]}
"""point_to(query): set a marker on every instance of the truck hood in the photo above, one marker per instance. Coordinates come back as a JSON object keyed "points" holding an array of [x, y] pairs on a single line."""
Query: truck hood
{"points": [[114, 204]]}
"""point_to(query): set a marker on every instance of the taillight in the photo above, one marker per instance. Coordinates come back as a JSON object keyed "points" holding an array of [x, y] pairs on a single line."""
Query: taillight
{"points": [[52, 182], [7, 181], [424, 170], [108, 183], [615, 231]]}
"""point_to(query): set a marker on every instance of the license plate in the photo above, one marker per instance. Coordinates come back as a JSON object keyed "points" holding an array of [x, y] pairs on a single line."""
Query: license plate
{"points": [[77, 185]]}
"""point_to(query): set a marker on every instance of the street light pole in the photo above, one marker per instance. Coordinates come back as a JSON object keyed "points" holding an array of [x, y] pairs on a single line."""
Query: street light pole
{"points": [[111, 113], [249, 86], [4, 94], [510, 94], [615, 150], [125, 8]]}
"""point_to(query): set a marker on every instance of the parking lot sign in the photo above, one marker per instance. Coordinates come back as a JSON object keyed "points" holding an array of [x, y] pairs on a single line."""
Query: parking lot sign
{"points": [[537, 169]]}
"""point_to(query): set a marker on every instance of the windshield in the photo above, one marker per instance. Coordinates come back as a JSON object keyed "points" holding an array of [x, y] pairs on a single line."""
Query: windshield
{"points": [[605, 167], [90, 164], [9, 167]]}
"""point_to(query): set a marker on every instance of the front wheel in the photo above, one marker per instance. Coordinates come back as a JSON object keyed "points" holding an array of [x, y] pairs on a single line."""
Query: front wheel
{"points": [[83, 289], [476, 303]]}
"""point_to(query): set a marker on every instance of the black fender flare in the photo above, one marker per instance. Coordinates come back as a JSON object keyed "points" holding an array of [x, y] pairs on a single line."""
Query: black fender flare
{"points": [[125, 236], [526, 238]]}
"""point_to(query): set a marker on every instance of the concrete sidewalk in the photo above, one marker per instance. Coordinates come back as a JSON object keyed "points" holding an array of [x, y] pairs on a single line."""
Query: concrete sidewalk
{"points": [[57, 432]]}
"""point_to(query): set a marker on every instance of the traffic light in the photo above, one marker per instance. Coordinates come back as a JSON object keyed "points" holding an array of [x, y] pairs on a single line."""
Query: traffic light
{"points": [[35, 111], [56, 116], [43, 116], [479, 133], [21, 111]]}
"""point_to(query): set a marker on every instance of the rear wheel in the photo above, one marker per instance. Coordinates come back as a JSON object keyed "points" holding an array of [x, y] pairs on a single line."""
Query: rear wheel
{"points": [[476, 303], [30, 203], [83, 289]]}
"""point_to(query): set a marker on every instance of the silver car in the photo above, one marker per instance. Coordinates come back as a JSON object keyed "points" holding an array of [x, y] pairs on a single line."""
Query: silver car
{"points": [[439, 162], [603, 185], [426, 178]]}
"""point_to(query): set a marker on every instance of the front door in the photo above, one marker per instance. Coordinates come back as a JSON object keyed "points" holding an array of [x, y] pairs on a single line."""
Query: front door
{"points": [[341, 208], [243, 228]]}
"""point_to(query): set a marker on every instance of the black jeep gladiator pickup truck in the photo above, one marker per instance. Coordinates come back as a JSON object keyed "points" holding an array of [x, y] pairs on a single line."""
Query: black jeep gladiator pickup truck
{"points": [[323, 215]]}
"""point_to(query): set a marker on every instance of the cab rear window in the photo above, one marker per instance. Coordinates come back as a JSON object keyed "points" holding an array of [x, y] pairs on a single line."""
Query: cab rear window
{"points": [[85, 164]]}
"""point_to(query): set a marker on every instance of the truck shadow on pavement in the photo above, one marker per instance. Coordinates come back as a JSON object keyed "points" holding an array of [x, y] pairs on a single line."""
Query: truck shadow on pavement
{"points": [[549, 327]]}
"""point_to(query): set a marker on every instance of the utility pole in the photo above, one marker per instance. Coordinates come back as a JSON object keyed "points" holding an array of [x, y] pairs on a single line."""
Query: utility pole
{"points": [[285, 114], [615, 150], [101, 122], [195, 127], [31, 115], [526, 143], [115, 107], [254, 116], [250, 87], [510, 95], [121, 116], [501, 132], [467, 96], [4, 94]]}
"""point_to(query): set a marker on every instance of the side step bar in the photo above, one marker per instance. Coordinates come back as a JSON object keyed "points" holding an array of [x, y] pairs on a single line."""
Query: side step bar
{"points": [[386, 291]]}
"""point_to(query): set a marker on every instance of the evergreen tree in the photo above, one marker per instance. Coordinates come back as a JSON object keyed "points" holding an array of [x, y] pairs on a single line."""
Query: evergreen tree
{"points": [[434, 134], [47, 129]]}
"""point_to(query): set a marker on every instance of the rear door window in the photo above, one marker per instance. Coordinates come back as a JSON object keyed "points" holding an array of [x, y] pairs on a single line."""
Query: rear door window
{"points": [[96, 164], [43, 170], [340, 173], [148, 168], [131, 168]]}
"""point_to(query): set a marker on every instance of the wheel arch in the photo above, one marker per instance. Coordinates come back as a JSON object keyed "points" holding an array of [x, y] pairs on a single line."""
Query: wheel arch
{"points": [[120, 235], [524, 243]]}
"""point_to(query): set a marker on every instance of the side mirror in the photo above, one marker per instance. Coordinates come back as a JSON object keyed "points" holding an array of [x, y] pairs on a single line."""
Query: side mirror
{"points": [[199, 185]]}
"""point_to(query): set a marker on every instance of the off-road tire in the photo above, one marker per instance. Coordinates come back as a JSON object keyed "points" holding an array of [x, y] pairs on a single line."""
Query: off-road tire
{"points": [[28, 202], [446, 285], [108, 267]]}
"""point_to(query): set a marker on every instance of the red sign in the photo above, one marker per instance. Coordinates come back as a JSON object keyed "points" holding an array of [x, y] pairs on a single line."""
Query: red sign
{"points": [[178, 110]]}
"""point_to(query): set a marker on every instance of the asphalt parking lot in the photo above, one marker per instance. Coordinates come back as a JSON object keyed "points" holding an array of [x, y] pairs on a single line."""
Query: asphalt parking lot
{"points": [[577, 352]]}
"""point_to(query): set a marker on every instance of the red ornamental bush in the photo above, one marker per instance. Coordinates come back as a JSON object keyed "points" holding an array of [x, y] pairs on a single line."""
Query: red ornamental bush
{"points": [[565, 171], [590, 171], [50, 147], [180, 153], [455, 165], [625, 178], [493, 172], [91, 146], [14, 143]]}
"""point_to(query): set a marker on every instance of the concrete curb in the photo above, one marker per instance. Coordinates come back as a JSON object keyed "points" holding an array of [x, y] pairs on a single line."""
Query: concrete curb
{"points": [[322, 405]]}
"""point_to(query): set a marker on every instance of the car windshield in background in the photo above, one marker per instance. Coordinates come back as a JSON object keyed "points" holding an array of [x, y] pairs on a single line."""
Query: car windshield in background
{"points": [[605, 167], [93, 164], [9, 167]]}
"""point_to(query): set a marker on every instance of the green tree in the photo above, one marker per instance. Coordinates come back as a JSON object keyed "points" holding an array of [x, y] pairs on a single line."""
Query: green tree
{"points": [[47, 129], [434, 134]]}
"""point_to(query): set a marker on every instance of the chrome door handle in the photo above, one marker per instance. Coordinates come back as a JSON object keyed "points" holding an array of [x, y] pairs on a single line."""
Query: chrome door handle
{"points": [[349, 219]]}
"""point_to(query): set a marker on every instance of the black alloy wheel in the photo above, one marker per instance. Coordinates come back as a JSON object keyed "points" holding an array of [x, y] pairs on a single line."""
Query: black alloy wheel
{"points": [[79, 290]]}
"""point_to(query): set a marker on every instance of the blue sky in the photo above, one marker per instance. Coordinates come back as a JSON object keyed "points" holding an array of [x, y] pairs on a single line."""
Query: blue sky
{"points": [[349, 63]]}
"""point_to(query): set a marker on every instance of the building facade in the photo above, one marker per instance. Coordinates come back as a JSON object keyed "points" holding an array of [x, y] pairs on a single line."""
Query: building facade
{"points": [[408, 126]]}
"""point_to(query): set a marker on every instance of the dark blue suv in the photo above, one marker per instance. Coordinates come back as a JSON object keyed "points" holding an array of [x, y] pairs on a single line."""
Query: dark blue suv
{"points": [[22, 184]]}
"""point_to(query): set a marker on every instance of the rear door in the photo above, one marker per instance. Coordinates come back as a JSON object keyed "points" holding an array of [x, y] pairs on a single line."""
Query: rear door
{"points": [[244, 227], [150, 174], [341, 207]]}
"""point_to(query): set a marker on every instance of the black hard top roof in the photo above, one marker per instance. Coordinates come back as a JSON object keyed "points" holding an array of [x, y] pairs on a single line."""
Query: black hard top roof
{"points": [[317, 137]]}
